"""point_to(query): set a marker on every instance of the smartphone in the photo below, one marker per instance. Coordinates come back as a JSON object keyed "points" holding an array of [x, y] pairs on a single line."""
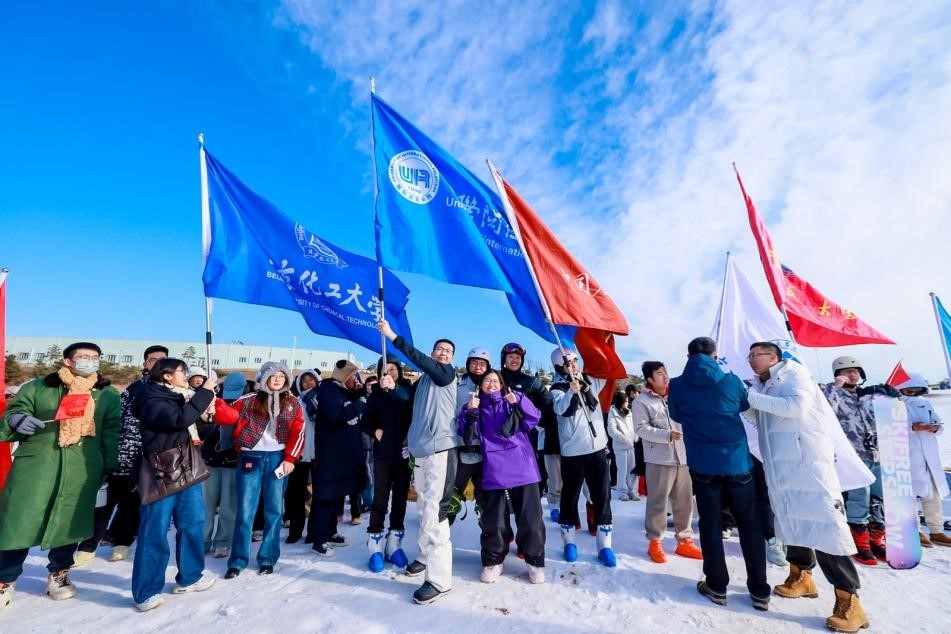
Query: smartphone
{"points": [[279, 472]]}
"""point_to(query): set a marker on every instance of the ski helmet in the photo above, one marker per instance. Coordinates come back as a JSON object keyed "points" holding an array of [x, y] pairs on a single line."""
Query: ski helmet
{"points": [[512, 348], [479, 353], [558, 359], [846, 362]]}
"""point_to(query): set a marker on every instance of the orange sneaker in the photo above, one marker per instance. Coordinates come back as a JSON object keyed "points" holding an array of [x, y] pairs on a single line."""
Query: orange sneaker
{"points": [[656, 552], [688, 549]]}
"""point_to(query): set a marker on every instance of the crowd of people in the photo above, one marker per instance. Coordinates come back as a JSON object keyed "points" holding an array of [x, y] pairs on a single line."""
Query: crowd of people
{"points": [[792, 465]]}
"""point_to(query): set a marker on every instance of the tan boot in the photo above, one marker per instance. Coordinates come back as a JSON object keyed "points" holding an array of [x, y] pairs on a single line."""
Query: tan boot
{"points": [[799, 583], [925, 542], [848, 615], [941, 539]]}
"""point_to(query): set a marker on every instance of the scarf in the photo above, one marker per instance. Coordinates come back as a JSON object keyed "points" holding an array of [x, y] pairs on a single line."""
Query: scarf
{"points": [[72, 429], [188, 393]]}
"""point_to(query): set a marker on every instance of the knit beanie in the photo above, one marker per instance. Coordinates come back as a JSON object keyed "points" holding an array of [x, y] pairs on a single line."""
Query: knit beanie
{"points": [[343, 370]]}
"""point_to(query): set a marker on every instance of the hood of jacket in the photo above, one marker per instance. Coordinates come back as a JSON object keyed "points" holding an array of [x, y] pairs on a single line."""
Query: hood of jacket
{"points": [[301, 376], [390, 358], [702, 370]]}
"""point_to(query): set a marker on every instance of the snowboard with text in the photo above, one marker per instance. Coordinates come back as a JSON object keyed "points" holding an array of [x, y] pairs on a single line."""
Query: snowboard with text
{"points": [[902, 546]]}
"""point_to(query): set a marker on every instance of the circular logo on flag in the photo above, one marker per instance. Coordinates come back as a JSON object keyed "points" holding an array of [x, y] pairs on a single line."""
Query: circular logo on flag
{"points": [[414, 176]]}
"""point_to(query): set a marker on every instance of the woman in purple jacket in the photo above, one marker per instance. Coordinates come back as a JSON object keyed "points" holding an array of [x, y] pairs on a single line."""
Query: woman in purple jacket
{"points": [[502, 419]]}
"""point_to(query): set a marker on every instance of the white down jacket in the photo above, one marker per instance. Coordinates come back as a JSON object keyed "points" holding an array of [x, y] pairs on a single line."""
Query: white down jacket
{"points": [[923, 445], [799, 461]]}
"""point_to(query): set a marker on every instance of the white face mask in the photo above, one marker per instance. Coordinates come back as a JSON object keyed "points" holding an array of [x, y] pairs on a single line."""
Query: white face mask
{"points": [[85, 367]]}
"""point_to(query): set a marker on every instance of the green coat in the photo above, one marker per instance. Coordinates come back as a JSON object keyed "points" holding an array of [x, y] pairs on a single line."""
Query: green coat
{"points": [[50, 493]]}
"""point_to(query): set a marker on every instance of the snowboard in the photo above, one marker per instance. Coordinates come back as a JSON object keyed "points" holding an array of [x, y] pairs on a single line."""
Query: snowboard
{"points": [[902, 546]]}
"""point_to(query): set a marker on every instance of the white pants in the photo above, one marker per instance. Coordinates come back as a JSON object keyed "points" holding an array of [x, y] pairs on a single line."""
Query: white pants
{"points": [[626, 481], [553, 467], [435, 548], [934, 514]]}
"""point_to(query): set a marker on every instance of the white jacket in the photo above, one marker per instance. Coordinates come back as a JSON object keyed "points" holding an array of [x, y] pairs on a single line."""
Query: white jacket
{"points": [[621, 429], [798, 460], [923, 448]]}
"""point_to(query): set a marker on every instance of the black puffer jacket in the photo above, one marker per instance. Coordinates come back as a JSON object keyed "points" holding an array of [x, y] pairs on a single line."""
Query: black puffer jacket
{"points": [[164, 416], [390, 411], [339, 468], [538, 394]]}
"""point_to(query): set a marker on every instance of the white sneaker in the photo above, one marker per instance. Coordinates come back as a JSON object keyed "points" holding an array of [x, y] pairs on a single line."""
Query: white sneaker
{"points": [[727, 533], [535, 574], [59, 587], [491, 574], [6, 595], [119, 553], [257, 536], [222, 552], [82, 557], [776, 552], [152, 602], [205, 581]]}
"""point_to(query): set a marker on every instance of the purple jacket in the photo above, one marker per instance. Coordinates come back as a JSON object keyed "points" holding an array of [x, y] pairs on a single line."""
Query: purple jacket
{"points": [[508, 462]]}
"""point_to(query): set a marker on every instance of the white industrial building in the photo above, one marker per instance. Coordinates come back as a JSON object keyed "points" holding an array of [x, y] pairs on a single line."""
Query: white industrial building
{"points": [[233, 356]]}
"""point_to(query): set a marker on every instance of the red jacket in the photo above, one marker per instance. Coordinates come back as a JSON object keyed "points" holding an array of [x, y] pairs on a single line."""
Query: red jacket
{"points": [[249, 427]]}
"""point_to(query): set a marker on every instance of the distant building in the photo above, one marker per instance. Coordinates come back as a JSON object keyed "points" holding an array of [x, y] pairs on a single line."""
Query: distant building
{"points": [[233, 356]]}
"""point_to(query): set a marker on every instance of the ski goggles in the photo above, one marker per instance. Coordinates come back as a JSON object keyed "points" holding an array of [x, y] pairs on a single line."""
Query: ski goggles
{"points": [[513, 348]]}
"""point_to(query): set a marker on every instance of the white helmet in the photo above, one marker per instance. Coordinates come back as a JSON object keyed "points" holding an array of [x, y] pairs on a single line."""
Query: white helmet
{"points": [[846, 362], [558, 359], [480, 353]]}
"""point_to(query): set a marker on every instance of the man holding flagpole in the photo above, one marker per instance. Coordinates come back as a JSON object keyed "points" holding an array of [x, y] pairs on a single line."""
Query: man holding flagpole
{"points": [[432, 441]]}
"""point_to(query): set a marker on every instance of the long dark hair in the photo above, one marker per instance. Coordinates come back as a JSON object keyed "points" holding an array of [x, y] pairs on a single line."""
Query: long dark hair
{"points": [[620, 399], [168, 365]]}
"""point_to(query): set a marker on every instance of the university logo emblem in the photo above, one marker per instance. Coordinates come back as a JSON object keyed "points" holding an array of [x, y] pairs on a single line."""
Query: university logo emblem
{"points": [[313, 248], [414, 176]]}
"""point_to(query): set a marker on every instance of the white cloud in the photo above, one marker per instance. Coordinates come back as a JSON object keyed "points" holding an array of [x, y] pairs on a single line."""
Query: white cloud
{"points": [[620, 129]]}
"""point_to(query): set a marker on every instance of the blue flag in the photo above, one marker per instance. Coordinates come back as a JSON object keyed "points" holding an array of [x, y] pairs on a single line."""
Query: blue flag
{"points": [[257, 255], [436, 218], [945, 320]]}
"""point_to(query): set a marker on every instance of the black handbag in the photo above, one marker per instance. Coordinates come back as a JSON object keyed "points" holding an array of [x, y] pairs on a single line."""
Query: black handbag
{"points": [[166, 473]]}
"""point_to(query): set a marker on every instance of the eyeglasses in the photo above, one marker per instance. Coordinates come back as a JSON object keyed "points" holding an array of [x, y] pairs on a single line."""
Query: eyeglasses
{"points": [[444, 350], [751, 355], [84, 357]]}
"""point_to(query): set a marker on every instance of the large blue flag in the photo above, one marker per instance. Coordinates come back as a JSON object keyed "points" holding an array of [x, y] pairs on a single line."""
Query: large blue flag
{"points": [[944, 321], [437, 218], [257, 255]]}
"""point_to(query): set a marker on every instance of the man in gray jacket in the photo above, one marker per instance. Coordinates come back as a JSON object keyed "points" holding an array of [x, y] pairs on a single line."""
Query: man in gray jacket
{"points": [[668, 476], [432, 441]]}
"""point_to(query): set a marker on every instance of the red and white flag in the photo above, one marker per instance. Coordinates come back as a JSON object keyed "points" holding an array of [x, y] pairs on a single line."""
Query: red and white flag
{"points": [[815, 320], [898, 376]]}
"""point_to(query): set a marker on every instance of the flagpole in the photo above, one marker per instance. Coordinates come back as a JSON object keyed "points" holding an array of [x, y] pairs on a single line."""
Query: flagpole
{"points": [[944, 347], [205, 242], [376, 195], [513, 222], [726, 269]]}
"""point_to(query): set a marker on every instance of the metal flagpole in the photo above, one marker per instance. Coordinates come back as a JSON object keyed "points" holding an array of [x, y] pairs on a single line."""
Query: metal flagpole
{"points": [[376, 197], [513, 222], [205, 242], [944, 342], [726, 269]]}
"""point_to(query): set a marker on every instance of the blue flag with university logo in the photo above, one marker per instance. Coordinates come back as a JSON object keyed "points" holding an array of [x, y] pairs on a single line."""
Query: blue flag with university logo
{"points": [[436, 218], [257, 255]]}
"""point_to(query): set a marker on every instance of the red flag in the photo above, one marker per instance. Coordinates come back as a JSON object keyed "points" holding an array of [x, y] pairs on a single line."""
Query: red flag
{"points": [[816, 321], [72, 406], [5, 459], [573, 296], [898, 376]]}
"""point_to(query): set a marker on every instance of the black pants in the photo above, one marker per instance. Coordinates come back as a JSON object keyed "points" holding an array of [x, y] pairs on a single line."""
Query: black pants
{"points": [[839, 570], [591, 468], [390, 475], [466, 472], [740, 492], [530, 536], [295, 498], [322, 524], [11, 561], [763, 507], [355, 501], [125, 523]]}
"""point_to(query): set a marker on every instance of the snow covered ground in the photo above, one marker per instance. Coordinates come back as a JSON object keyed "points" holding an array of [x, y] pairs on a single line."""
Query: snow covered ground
{"points": [[311, 594]]}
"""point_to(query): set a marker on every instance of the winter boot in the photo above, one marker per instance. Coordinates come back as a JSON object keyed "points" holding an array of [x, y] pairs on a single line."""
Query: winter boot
{"points": [[799, 583], [568, 537], [925, 542], [861, 538], [876, 538], [119, 553], [940, 539], [59, 587], [83, 557], [592, 525], [655, 550], [605, 553], [555, 514], [427, 593], [375, 546], [6, 595], [848, 615], [394, 549], [536, 574], [491, 574]]}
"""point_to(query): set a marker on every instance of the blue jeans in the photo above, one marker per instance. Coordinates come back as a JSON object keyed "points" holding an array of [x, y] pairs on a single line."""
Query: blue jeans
{"points": [[255, 473], [187, 511], [739, 491], [865, 505]]}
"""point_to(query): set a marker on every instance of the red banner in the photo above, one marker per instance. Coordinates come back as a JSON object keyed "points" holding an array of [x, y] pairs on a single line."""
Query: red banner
{"points": [[5, 459], [898, 376]]}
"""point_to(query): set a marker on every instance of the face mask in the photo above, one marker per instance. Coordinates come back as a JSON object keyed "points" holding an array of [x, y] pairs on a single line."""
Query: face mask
{"points": [[85, 367]]}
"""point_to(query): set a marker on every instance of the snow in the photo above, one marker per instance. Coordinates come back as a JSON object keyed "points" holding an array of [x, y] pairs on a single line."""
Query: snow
{"points": [[311, 594]]}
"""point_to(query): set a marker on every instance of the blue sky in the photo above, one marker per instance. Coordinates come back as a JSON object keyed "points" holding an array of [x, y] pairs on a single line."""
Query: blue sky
{"points": [[618, 122]]}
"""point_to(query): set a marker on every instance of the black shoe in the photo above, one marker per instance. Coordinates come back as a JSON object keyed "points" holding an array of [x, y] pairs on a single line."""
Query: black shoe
{"points": [[232, 573], [308, 540], [427, 593], [414, 569], [760, 603], [265, 570], [338, 541], [717, 597], [323, 550], [293, 539]]}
